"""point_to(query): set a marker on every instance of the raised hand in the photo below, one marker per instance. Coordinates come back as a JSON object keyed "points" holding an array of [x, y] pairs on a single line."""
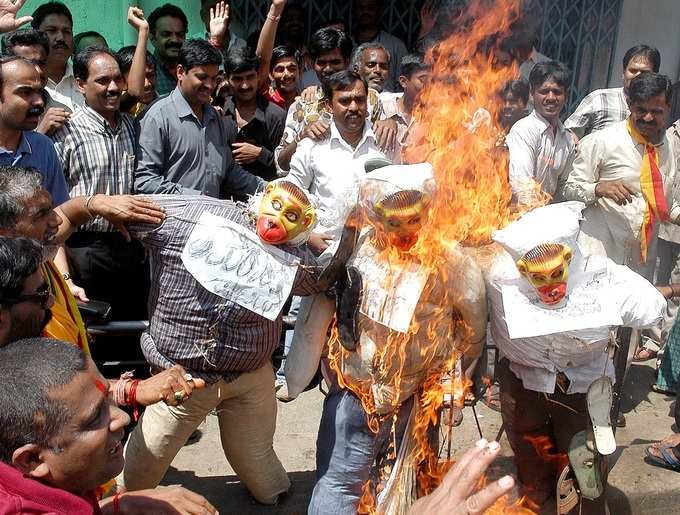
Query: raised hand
{"points": [[8, 15], [219, 21], [137, 20]]}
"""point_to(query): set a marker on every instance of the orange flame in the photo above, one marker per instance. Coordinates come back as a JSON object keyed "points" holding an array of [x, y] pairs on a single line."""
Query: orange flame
{"points": [[456, 133], [546, 450]]}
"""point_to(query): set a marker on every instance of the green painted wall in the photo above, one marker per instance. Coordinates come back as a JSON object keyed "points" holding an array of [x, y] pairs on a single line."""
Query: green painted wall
{"points": [[109, 17]]}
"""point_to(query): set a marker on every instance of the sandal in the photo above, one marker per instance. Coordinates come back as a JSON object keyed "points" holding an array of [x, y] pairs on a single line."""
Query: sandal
{"points": [[656, 388], [567, 495], [670, 441], [667, 460], [642, 354]]}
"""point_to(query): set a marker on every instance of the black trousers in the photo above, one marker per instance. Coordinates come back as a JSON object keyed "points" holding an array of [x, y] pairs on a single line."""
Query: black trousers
{"points": [[535, 422], [111, 270]]}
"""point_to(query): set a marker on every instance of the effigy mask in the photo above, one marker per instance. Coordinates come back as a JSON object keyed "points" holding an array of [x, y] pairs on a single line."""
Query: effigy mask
{"points": [[546, 267], [400, 216], [285, 215]]}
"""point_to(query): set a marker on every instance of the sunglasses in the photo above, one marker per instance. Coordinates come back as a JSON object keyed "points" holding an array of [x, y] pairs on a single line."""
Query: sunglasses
{"points": [[40, 297]]}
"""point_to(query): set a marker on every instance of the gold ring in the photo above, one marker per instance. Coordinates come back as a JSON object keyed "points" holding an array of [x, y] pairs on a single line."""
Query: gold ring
{"points": [[179, 396]]}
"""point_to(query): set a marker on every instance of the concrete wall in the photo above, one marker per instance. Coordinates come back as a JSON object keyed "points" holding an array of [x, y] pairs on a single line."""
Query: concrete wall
{"points": [[655, 23], [109, 17]]}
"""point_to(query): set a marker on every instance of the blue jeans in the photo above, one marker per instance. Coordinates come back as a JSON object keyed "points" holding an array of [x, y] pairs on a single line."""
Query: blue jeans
{"points": [[346, 451]]}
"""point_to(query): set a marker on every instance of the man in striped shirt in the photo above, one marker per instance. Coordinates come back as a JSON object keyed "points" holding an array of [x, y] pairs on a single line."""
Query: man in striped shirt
{"points": [[97, 149], [604, 107]]}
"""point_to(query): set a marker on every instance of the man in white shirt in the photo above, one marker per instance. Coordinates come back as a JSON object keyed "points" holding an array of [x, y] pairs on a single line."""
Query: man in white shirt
{"points": [[540, 147], [604, 107], [414, 73], [55, 20], [330, 50], [330, 169], [627, 193]]}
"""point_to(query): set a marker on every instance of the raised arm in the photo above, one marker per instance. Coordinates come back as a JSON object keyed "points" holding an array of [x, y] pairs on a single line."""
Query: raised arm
{"points": [[137, 75], [8, 15], [265, 43]]}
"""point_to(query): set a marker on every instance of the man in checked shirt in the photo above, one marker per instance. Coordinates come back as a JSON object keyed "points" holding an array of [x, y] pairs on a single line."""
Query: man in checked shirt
{"points": [[209, 314]]}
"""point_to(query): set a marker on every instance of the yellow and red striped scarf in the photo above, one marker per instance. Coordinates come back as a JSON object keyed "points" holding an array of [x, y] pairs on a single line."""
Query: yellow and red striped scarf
{"points": [[651, 184]]}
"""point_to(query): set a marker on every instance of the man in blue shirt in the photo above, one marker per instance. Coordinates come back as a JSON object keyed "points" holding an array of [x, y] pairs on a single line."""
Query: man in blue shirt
{"points": [[21, 105]]}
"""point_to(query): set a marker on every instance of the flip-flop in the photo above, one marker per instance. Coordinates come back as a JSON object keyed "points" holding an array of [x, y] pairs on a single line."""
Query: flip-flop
{"points": [[656, 388], [667, 459], [567, 495], [666, 443], [599, 399]]}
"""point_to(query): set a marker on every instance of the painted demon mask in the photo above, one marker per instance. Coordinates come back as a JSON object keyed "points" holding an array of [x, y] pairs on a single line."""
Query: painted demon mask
{"points": [[546, 267], [285, 215], [400, 216]]}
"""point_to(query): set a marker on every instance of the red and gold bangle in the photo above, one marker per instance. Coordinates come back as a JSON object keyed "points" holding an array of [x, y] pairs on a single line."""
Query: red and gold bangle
{"points": [[132, 400], [116, 504]]}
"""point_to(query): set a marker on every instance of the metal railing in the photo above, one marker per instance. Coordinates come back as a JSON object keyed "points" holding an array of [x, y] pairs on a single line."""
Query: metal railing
{"points": [[579, 33]]}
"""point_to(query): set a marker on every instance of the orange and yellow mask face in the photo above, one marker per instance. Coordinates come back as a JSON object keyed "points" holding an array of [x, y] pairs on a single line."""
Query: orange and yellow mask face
{"points": [[546, 267], [400, 217], [285, 215]]}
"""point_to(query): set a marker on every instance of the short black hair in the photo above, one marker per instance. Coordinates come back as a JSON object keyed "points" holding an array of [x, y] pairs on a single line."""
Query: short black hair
{"points": [[30, 370], [24, 37], [19, 259], [554, 70], [285, 52], [48, 8], [87, 34], [328, 39], [126, 54], [341, 81], [648, 85], [198, 52], [241, 60], [166, 10], [82, 60], [412, 63], [519, 88], [651, 54]]}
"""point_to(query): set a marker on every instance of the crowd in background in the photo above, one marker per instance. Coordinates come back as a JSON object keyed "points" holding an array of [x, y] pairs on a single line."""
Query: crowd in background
{"points": [[84, 129]]}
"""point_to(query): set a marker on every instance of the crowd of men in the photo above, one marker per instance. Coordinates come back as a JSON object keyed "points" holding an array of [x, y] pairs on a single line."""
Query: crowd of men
{"points": [[110, 159]]}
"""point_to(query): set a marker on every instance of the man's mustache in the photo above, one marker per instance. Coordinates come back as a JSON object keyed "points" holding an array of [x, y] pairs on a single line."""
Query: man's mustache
{"points": [[173, 45], [60, 44]]}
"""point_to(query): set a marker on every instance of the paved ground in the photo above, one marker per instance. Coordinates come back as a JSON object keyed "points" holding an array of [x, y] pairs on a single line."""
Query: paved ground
{"points": [[635, 487]]}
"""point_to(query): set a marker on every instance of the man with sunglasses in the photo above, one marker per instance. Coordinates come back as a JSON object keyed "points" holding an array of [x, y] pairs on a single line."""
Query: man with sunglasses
{"points": [[25, 298]]}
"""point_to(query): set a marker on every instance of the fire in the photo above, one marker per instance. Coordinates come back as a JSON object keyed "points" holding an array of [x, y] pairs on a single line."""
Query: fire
{"points": [[545, 448], [456, 133]]}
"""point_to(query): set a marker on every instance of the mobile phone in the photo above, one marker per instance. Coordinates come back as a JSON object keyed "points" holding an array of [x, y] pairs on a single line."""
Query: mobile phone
{"points": [[96, 309]]}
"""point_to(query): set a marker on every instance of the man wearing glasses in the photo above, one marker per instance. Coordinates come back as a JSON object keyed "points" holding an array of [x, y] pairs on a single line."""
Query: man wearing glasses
{"points": [[25, 297]]}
